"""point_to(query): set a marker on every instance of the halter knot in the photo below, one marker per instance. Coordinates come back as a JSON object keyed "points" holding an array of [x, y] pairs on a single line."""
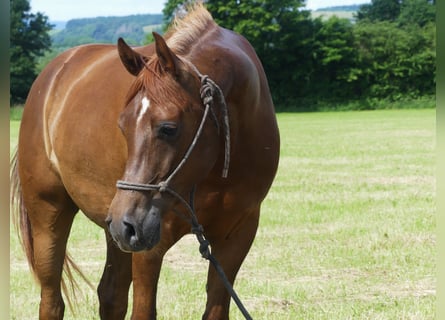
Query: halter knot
{"points": [[207, 90], [163, 185], [207, 100], [197, 229], [204, 249]]}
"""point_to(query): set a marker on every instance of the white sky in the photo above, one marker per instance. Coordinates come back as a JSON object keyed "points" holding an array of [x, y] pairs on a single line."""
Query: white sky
{"points": [[63, 10]]}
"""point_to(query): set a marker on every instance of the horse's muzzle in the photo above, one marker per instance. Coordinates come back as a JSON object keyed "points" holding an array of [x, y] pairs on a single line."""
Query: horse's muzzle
{"points": [[136, 231]]}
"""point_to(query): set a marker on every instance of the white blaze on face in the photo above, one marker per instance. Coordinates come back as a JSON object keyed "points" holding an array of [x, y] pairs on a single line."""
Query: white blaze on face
{"points": [[145, 105]]}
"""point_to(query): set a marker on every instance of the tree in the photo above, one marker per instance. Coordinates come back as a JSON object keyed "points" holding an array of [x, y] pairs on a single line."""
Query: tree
{"points": [[396, 62], [29, 39], [396, 44], [417, 12], [336, 69], [379, 10]]}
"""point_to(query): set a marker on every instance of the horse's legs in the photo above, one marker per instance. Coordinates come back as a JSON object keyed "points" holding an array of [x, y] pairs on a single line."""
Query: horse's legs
{"points": [[51, 218], [146, 270], [115, 282], [230, 253]]}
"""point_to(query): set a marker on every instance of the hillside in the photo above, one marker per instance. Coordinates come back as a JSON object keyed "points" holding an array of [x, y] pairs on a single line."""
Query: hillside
{"points": [[132, 28], [345, 12], [327, 14]]}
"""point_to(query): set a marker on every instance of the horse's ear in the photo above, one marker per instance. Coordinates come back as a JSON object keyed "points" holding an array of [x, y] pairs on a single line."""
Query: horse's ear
{"points": [[168, 60], [133, 61]]}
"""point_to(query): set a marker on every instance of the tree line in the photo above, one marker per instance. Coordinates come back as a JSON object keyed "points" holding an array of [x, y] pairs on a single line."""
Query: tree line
{"points": [[387, 53]]}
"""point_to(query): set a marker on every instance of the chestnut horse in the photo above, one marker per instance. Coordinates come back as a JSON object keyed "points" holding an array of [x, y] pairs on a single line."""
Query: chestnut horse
{"points": [[96, 115]]}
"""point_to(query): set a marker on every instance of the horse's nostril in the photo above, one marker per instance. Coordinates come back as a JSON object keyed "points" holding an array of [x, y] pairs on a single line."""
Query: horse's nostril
{"points": [[129, 230]]}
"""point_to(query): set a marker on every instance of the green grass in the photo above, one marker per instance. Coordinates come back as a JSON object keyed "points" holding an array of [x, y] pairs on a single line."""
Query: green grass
{"points": [[15, 113], [347, 230]]}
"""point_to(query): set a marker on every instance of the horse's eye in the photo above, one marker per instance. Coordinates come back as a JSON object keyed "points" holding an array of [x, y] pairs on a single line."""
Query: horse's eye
{"points": [[167, 130]]}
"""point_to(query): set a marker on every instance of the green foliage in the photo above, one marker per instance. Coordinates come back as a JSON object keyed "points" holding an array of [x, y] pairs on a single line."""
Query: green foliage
{"points": [[417, 12], [397, 53], [29, 39], [258, 21], [287, 53], [395, 61], [379, 10], [335, 59]]}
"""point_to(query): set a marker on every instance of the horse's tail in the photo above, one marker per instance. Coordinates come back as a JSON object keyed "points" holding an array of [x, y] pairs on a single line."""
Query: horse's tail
{"points": [[20, 214], [22, 224]]}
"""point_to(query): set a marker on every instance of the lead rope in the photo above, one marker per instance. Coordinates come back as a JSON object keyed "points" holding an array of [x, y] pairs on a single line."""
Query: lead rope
{"points": [[208, 88], [204, 249], [207, 94]]}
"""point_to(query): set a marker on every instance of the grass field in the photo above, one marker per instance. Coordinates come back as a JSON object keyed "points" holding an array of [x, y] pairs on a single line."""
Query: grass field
{"points": [[347, 230]]}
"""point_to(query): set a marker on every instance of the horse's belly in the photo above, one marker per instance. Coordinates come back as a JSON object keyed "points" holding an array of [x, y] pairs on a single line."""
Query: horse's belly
{"points": [[90, 158], [92, 197]]}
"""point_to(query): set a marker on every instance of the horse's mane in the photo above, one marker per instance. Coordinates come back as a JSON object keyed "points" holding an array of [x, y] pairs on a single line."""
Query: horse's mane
{"points": [[182, 35], [186, 30]]}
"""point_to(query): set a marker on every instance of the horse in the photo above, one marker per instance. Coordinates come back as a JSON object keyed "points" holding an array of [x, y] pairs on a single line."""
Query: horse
{"points": [[126, 136]]}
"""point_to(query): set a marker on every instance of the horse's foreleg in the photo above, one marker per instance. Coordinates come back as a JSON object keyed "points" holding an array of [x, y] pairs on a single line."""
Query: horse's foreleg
{"points": [[146, 270], [115, 282], [230, 253]]}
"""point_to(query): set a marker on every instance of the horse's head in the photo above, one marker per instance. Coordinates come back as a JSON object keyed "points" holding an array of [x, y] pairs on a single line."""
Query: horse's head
{"points": [[163, 113]]}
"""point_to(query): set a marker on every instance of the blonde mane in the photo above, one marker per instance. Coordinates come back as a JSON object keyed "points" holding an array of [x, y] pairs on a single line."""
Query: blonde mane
{"points": [[188, 29]]}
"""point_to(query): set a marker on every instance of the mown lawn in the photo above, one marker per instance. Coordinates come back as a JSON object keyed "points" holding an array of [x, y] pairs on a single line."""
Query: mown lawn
{"points": [[347, 230]]}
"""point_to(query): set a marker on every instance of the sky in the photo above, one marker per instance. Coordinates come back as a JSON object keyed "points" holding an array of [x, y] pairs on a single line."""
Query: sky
{"points": [[64, 10]]}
